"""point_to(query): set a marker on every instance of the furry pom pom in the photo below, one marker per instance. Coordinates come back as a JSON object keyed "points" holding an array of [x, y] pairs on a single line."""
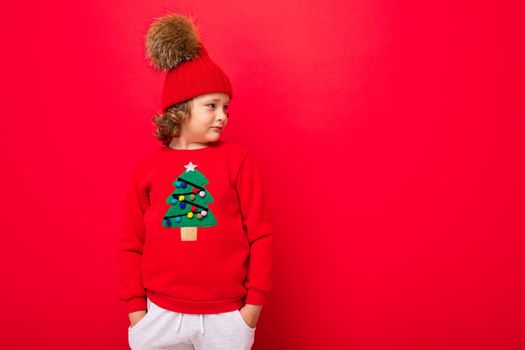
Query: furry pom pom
{"points": [[171, 40]]}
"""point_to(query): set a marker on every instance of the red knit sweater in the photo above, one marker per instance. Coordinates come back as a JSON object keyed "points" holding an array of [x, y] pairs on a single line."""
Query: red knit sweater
{"points": [[213, 197]]}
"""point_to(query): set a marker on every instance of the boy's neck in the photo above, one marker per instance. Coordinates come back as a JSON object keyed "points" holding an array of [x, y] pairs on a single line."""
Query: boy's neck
{"points": [[178, 143]]}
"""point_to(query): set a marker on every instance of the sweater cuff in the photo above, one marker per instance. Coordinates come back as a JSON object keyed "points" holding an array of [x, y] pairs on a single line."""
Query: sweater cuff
{"points": [[255, 297], [136, 304]]}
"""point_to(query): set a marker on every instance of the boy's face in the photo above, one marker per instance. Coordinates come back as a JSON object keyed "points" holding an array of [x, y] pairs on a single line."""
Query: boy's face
{"points": [[208, 112]]}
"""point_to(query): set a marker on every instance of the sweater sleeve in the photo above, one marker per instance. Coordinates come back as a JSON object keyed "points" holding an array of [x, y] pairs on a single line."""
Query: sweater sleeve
{"points": [[131, 244], [256, 223]]}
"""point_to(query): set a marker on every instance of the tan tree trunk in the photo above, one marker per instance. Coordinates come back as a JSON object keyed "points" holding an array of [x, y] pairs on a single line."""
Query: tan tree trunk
{"points": [[188, 233]]}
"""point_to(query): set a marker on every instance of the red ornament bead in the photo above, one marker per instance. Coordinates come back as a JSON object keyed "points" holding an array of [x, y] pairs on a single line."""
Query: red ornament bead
{"points": [[193, 208], [195, 190]]}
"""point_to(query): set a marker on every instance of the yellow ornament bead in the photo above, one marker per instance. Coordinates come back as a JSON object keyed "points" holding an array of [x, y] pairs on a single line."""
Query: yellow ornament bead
{"points": [[190, 214], [181, 198]]}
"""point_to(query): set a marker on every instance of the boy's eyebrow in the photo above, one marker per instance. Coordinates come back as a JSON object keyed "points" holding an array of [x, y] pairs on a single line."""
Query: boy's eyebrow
{"points": [[217, 99]]}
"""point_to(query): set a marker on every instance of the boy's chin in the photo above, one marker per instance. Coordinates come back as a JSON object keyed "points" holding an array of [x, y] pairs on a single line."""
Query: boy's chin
{"points": [[214, 137]]}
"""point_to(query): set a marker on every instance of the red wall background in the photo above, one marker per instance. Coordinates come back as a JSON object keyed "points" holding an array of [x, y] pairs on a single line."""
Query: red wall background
{"points": [[390, 134]]}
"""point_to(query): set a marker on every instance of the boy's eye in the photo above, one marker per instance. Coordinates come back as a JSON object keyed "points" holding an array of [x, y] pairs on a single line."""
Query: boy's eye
{"points": [[213, 104]]}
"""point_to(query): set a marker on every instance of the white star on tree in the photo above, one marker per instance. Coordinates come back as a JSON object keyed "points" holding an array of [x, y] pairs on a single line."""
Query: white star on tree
{"points": [[190, 167]]}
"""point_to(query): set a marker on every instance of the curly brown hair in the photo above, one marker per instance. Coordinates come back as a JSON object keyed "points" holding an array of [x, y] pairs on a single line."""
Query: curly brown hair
{"points": [[169, 123]]}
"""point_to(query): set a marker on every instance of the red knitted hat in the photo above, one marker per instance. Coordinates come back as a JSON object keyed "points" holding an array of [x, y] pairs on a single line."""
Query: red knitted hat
{"points": [[172, 44]]}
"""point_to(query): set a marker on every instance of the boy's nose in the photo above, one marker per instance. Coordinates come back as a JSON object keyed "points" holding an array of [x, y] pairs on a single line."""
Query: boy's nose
{"points": [[222, 116]]}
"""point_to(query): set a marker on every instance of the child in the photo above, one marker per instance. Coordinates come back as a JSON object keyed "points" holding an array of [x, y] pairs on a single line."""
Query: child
{"points": [[196, 246]]}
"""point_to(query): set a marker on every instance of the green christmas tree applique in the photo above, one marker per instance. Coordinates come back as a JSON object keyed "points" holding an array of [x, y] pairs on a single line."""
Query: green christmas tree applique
{"points": [[189, 204]]}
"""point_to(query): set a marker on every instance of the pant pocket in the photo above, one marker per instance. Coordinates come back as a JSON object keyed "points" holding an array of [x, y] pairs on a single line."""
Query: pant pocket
{"points": [[143, 320], [239, 317]]}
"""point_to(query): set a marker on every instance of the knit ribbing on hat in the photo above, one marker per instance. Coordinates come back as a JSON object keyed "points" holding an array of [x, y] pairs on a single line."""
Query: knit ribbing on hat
{"points": [[194, 78]]}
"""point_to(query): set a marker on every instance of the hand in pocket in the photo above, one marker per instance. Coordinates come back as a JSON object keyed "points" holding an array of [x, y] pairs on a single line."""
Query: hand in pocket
{"points": [[250, 316], [136, 316]]}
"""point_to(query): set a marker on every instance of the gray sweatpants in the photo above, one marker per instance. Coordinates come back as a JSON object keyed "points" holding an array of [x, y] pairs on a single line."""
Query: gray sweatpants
{"points": [[163, 329]]}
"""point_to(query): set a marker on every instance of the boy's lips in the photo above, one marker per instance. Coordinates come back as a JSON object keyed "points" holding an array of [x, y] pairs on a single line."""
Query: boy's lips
{"points": [[218, 128]]}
